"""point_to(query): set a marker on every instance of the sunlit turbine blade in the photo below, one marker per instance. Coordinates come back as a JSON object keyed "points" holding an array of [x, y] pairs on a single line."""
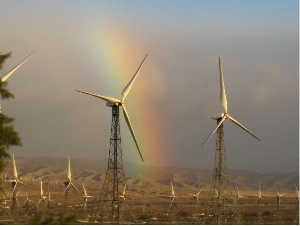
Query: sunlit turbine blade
{"points": [[199, 193], [13, 190], [66, 188], [107, 99], [23, 184], [276, 192], [223, 98], [42, 188], [39, 202], [219, 124], [69, 170], [18, 192], [243, 127], [172, 201], [74, 187], [8, 74], [131, 130], [84, 191], [129, 85], [172, 189], [14, 167]]}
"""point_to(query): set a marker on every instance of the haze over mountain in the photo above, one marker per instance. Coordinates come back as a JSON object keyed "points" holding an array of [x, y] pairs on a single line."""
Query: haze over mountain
{"points": [[146, 177]]}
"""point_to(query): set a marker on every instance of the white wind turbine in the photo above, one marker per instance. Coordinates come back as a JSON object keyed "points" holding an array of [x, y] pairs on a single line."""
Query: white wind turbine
{"points": [[195, 197], [238, 196], [278, 198], [221, 117], [259, 197], [27, 202], [43, 197], [85, 197], [172, 195], [69, 183], [220, 179], [110, 101], [15, 181], [123, 193]]}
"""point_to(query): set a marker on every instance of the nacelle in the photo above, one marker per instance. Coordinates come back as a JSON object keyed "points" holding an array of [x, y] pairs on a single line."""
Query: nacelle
{"points": [[218, 116], [108, 104]]}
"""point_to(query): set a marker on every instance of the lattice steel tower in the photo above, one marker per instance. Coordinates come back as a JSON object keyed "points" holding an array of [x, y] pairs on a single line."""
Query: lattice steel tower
{"points": [[115, 174], [221, 201]]}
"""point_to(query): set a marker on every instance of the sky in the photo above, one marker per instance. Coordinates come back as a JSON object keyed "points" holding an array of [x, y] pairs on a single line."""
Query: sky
{"points": [[96, 46]]}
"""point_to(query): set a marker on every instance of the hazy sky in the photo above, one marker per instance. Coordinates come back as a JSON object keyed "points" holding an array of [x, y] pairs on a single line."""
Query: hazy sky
{"points": [[96, 46]]}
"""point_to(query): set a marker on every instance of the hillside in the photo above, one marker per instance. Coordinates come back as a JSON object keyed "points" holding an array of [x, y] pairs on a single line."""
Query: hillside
{"points": [[144, 176]]}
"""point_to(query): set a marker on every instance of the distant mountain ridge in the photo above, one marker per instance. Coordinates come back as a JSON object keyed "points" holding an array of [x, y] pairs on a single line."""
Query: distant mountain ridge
{"points": [[47, 168]]}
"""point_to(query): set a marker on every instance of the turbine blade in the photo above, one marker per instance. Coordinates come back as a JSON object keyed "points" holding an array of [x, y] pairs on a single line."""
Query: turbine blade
{"points": [[172, 201], [84, 191], [66, 188], [129, 85], [276, 191], [14, 167], [131, 130], [69, 169], [107, 99], [223, 98], [219, 124], [8, 74], [23, 184], [199, 193], [243, 127], [75, 188], [13, 190], [173, 193], [197, 200]]}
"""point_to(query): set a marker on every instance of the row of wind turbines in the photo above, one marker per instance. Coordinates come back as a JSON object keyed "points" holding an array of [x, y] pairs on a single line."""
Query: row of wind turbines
{"points": [[15, 181], [195, 197], [219, 178]]}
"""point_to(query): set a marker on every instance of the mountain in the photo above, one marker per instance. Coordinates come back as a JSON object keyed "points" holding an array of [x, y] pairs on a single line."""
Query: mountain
{"points": [[146, 177]]}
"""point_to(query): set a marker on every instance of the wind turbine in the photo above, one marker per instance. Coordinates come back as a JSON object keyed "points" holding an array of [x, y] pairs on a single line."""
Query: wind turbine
{"points": [[220, 179], [123, 193], [43, 198], [278, 198], [49, 198], [115, 175], [85, 197], [259, 197], [15, 181], [69, 183], [195, 197], [27, 202], [238, 196], [115, 103], [172, 195]]}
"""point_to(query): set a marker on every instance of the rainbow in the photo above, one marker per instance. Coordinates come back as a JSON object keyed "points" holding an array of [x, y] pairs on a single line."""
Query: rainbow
{"points": [[120, 56]]}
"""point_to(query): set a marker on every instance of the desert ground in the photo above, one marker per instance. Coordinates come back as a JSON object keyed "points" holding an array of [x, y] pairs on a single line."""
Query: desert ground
{"points": [[147, 199]]}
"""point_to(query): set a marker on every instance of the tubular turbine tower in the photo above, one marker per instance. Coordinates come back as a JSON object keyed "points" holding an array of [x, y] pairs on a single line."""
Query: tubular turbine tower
{"points": [[221, 203], [115, 175]]}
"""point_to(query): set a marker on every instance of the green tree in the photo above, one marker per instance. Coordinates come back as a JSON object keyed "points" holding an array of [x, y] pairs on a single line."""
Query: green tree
{"points": [[8, 136]]}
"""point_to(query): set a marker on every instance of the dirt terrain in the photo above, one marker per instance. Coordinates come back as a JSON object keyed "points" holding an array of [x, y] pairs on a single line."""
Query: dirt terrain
{"points": [[148, 194]]}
